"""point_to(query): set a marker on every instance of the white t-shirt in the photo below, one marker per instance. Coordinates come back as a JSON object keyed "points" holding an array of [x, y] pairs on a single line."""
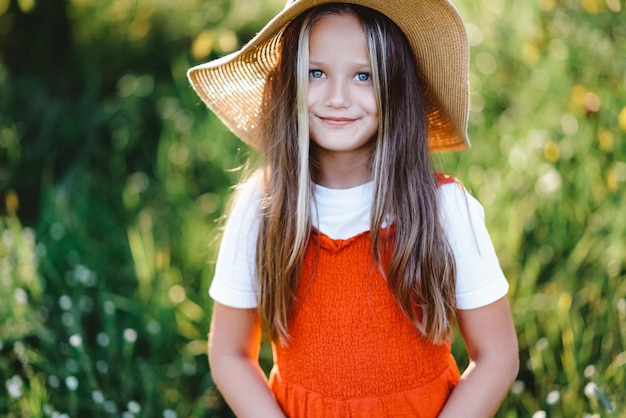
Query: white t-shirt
{"points": [[344, 213]]}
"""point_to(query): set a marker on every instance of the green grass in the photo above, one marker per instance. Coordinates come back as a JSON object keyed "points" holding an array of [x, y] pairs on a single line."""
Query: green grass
{"points": [[112, 186]]}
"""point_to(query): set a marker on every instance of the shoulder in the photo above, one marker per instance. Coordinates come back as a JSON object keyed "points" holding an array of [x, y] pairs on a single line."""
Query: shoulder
{"points": [[462, 217], [242, 221], [463, 220], [456, 204], [234, 280], [480, 280], [246, 198]]}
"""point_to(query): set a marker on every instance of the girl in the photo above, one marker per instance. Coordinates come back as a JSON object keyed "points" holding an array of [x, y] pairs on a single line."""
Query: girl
{"points": [[345, 246]]}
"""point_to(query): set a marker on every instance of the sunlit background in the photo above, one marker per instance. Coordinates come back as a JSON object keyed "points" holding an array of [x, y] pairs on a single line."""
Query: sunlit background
{"points": [[113, 178]]}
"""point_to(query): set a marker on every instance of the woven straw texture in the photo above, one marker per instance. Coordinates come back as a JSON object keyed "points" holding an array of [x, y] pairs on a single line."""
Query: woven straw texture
{"points": [[232, 86]]}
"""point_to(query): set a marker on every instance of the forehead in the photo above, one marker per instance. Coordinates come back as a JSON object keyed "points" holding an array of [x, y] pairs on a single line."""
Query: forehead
{"points": [[337, 34], [342, 23]]}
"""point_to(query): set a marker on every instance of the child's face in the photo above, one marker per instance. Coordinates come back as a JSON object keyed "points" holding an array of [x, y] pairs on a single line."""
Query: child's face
{"points": [[343, 114]]}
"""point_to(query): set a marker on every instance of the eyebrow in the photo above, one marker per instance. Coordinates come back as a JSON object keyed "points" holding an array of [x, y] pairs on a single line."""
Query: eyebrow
{"points": [[363, 64]]}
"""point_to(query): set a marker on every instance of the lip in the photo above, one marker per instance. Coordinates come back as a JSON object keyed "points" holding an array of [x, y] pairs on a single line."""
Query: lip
{"points": [[336, 121]]}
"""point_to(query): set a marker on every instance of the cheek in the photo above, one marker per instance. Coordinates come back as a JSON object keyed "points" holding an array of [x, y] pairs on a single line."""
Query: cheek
{"points": [[312, 95], [371, 107], [369, 102]]}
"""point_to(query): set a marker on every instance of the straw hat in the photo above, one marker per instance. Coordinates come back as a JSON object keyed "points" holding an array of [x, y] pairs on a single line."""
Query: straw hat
{"points": [[232, 86]]}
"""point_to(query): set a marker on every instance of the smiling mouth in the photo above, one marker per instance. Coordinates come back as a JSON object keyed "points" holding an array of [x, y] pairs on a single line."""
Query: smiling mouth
{"points": [[336, 122]]}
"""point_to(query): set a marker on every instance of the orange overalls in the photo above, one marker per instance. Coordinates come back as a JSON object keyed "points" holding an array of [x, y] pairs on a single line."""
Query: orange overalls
{"points": [[352, 351]]}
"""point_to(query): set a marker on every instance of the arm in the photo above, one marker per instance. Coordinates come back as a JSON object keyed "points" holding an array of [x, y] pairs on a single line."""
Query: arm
{"points": [[491, 342], [233, 356]]}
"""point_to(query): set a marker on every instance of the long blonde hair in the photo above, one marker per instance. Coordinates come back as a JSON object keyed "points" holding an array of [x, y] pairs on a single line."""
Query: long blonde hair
{"points": [[415, 258]]}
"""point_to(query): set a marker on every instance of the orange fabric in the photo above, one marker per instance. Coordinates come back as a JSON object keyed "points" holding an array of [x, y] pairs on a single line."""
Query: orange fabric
{"points": [[445, 179], [352, 352]]}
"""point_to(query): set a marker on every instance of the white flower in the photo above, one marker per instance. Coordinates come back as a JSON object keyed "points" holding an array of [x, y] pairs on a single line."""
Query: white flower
{"points": [[168, 413], [133, 407], [130, 335], [65, 302], [15, 387], [71, 382], [76, 340], [553, 397], [97, 396]]}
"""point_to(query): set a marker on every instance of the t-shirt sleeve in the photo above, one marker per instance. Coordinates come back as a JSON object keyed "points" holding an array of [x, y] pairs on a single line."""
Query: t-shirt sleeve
{"points": [[480, 280], [234, 282]]}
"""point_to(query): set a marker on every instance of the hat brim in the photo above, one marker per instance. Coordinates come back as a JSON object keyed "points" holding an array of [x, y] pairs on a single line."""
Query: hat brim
{"points": [[232, 86]]}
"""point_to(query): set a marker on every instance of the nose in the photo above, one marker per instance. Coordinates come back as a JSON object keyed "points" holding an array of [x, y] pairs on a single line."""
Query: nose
{"points": [[338, 94]]}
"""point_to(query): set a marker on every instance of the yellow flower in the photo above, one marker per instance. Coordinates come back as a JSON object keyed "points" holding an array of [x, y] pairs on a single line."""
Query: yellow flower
{"points": [[622, 119], [551, 151], [606, 140], [12, 202]]}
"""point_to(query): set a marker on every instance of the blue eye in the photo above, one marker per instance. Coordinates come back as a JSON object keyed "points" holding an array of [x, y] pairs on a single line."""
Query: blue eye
{"points": [[316, 73], [363, 76]]}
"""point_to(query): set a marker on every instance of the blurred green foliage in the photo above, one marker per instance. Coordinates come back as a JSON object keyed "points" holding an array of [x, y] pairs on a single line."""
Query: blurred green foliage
{"points": [[113, 174]]}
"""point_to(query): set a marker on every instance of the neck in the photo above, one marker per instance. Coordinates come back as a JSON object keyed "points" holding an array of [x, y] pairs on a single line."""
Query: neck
{"points": [[342, 170]]}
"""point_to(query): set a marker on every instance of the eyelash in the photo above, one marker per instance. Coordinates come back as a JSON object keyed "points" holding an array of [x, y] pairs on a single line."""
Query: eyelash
{"points": [[320, 73]]}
